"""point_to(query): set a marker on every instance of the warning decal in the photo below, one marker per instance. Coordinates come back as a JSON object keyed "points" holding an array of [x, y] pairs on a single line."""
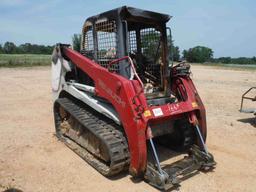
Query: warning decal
{"points": [[157, 112]]}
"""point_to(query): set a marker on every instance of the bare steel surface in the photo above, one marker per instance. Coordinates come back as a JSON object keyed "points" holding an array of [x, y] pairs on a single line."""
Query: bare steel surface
{"points": [[32, 159]]}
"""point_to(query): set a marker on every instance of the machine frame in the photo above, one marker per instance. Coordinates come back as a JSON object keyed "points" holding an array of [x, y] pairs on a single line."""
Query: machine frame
{"points": [[120, 95]]}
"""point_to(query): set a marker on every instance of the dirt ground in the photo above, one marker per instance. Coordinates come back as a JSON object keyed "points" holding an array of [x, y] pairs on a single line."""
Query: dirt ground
{"points": [[32, 159]]}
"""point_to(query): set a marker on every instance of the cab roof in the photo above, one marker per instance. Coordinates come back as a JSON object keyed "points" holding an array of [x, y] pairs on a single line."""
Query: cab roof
{"points": [[132, 14]]}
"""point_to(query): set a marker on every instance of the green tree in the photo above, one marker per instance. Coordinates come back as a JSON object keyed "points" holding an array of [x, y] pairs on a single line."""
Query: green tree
{"points": [[9, 47], [198, 54], [174, 52], [29, 48], [239, 60], [185, 54], [1, 49], [225, 59], [25, 48], [76, 41]]}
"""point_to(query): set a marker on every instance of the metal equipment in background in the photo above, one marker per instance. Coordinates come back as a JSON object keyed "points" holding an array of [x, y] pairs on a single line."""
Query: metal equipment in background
{"points": [[248, 96], [121, 106]]}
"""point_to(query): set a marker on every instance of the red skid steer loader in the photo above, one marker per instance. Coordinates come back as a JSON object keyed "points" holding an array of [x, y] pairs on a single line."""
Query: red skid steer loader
{"points": [[118, 102]]}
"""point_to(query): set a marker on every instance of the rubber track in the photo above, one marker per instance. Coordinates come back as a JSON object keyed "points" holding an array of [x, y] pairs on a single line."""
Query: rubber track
{"points": [[105, 130]]}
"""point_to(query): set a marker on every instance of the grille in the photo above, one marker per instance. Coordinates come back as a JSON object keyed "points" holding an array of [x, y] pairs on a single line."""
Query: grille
{"points": [[148, 52], [151, 49], [150, 42], [87, 44], [107, 43], [132, 42]]}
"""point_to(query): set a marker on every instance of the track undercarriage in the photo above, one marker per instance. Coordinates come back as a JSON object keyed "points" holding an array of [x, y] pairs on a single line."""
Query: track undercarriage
{"points": [[92, 136]]}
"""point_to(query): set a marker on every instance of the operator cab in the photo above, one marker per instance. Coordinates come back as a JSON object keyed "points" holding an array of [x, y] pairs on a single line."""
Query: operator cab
{"points": [[132, 32]]}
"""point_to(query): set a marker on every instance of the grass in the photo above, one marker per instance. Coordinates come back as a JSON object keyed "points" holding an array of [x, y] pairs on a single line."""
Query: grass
{"points": [[24, 60], [30, 60]]}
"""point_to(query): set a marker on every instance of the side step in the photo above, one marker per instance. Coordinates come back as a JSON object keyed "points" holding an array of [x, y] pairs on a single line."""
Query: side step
{"points": [[180, 170]]}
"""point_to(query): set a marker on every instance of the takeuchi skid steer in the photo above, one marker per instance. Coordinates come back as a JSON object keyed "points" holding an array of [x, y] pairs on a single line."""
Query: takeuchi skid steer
{"points": [[118, 102]]}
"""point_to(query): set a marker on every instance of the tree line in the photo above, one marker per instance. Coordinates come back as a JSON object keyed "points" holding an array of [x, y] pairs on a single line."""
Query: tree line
{"points": [[239, 60], [198, 54], [26, 48], [201, 54]]}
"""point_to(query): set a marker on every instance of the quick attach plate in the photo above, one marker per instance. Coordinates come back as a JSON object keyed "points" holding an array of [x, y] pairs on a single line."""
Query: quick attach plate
{"points": [[180, 170]]}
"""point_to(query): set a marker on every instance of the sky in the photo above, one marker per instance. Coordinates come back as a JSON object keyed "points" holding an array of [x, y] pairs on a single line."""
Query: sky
{"points": [[228, 27]]}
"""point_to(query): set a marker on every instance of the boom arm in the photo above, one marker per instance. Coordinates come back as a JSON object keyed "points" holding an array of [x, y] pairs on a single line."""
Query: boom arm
{"points": [[126, 98]]}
